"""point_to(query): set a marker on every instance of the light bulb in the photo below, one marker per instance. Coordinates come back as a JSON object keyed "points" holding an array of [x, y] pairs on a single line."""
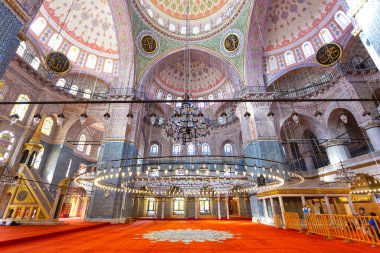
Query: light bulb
{"points": [[83, 118]]}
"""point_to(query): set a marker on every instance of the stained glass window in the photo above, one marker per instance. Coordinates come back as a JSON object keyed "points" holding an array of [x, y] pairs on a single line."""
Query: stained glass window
{"points": [[82, 141], [38, 26], [47, 126]]}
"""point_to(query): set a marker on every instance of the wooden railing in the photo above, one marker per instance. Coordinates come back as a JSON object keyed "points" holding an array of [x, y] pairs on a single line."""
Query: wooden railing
{"points": [[364, 229], [292, 221]]}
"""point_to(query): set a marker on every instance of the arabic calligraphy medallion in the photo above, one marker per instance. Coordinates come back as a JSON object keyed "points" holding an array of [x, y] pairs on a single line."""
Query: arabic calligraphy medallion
{"points": [[232, 42], [58, 63], [148, 44], [329, 54]]}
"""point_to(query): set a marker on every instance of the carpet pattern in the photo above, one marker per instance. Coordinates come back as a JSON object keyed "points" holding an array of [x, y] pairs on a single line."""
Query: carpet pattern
{"points": [[247, 237]]}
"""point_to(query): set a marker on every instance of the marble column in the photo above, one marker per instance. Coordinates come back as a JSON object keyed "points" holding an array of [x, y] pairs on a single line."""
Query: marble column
{"points": [[337, 151], [227, 209], [219, 213], [327, 203], [372, 128]]}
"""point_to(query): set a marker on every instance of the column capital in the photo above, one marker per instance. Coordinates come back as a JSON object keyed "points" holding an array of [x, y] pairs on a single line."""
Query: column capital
{"points": [[334, 142], [371, 123]]}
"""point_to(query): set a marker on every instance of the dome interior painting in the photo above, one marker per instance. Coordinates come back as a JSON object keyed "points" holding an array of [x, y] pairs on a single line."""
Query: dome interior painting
{"points": [[190, 123], [83, 30], [198, 73], [189, 17]]}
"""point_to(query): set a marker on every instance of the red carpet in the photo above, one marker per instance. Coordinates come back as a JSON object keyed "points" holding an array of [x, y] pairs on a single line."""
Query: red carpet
{"points": [[248, 237]]}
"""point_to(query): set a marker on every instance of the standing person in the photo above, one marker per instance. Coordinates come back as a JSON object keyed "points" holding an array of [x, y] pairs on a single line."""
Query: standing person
{"points": [[372, 222], [306, 210]]}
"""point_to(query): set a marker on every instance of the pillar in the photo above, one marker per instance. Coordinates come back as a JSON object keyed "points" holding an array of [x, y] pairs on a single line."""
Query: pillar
{"points": [[282, 209], [372, 128], [219, 213], [272, 207], [265, 210], [227, 209], [351, 205], [367, 14], [162, 208], [10, 26], [337, 151], [327, 203], [119, 143], [303, 200]]}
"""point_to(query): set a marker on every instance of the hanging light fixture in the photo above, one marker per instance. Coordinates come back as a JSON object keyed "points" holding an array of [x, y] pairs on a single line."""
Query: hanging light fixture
{"points": [[343, 117], [36, 119], [295, 118], [224, 117], [83, 118], [246, 114], [14, 118], [129, 118], [367, 116], [152, 118], [187, 124], [271, 115], [60, 119], [319, 116], [106, 116]]}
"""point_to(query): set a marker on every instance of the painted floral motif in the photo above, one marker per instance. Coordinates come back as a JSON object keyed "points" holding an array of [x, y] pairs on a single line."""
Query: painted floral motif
{"points": [[188, 235]]}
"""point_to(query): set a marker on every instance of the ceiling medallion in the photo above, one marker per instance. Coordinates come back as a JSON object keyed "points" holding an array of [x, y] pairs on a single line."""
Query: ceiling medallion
{"points": [[149, 44], [232, 42], [329, 54], [58, 63], [188, 124]]}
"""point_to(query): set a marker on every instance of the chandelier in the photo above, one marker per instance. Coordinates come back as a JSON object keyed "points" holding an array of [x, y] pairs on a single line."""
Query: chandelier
{"points": [[188, 124], [345, 175]]}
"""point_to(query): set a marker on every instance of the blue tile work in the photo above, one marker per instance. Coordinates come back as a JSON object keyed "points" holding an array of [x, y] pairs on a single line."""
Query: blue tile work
{"points": [[10, 25], [267, 149], [372, 29], [110, 207]]}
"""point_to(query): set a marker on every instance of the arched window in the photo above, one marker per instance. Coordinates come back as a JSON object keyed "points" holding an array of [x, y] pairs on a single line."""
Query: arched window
{"points": [[289, 58], [220, 94], [47, 126], [205, 149], [108, 66], [342, 19], [211, 97], [55, 41], [159, 95], [176, 149], [61, 82], [21, 109], [7, 139], [38, 26], [308, 49], [87, 93], [272, 63], [88, 150], [35, 63], [38, 159], [21, 49], [169, 97], [179, 104], [228, 149], [74, 89], [73, 53], [191, 149], [154, 150], [325, 36], [82, 142], [91, 61]]}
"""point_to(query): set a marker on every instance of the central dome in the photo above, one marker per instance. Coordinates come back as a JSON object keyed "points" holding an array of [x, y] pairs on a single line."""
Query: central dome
{"points": [[192, 9], [196, 18]]}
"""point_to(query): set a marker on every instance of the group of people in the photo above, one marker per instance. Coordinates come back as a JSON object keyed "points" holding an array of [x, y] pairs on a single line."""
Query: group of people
{"points": [[364, 220]]}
